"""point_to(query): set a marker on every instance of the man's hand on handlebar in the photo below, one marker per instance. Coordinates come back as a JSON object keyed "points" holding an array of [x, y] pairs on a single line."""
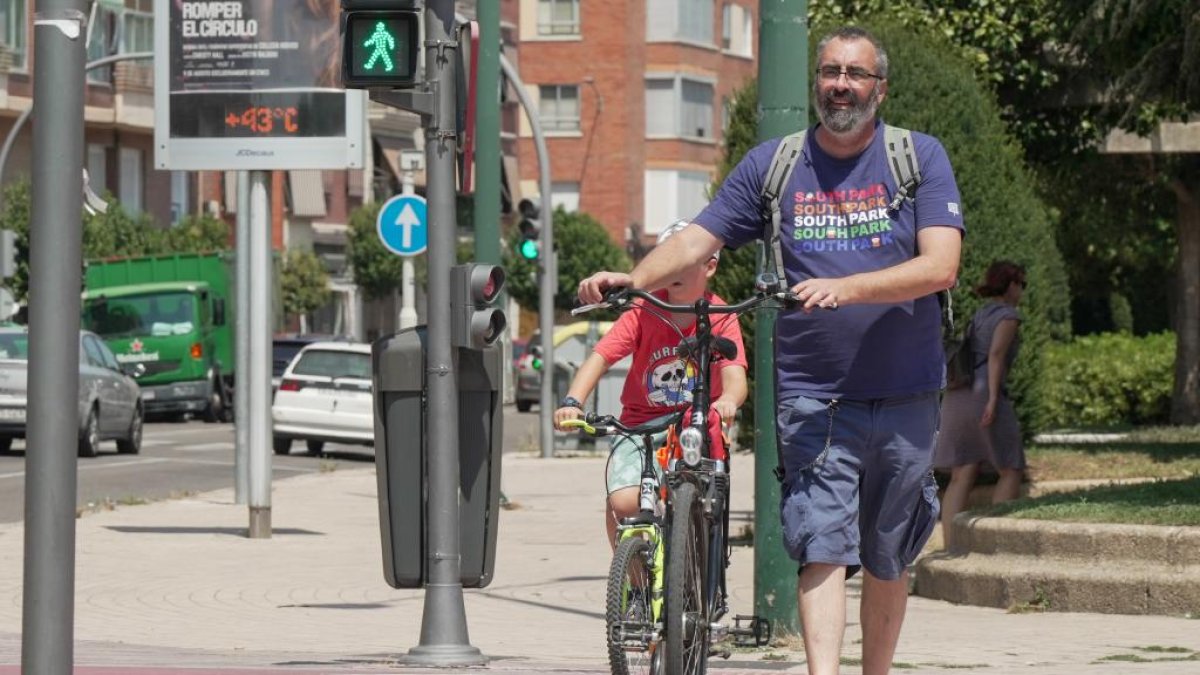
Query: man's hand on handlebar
{"points": [[819, 294], [592, 289]]}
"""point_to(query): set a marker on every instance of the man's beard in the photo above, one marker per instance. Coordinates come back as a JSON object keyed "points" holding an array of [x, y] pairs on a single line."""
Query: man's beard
{"points": [[844, 120]]}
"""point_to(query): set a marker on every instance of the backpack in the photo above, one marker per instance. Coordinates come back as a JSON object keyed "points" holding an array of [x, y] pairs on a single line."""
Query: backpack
{"points": [[901, 159], [960, 359]]}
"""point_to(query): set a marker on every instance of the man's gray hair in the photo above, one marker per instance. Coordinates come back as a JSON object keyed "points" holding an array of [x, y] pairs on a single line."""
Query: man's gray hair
{"points": [[856, 33]]}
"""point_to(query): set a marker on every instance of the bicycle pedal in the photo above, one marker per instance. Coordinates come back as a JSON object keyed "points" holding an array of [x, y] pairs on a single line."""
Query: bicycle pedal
{"points": [[757, 632]]}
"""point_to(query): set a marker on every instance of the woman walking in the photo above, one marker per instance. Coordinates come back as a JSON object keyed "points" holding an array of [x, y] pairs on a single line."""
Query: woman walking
{"points": [[978, 421]]}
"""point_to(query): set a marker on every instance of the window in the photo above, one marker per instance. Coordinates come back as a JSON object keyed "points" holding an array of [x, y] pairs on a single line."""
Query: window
{"points": [[558, 17], [105, 41], [671, 195], [131, 180], [179, 195], [685, 20], [564, 194], [737, 34], [12, 29], [97, 166], [139, 32], [558, 107], [679, 106]]}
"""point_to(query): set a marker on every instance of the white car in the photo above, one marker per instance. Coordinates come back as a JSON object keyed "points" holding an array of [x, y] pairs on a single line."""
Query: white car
{"points": [[325, 396]]}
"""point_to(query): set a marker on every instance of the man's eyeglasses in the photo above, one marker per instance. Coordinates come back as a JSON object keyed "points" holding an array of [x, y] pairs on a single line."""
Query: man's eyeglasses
{"points": [[853, 73]]}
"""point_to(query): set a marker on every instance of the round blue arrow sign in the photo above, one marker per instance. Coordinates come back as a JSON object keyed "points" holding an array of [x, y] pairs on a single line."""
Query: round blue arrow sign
{"points": [[403, 226]]}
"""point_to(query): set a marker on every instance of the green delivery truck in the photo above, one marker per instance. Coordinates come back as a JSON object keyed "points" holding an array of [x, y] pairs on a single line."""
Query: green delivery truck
{"points": [[173, 314]]}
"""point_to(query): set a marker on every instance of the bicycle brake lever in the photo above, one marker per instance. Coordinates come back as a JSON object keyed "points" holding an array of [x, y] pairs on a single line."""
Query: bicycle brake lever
{"points": [[579, 424], [583, 309]]}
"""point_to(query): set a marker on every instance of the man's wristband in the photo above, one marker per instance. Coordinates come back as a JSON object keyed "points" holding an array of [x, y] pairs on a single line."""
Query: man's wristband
{"points": [[570, 402]]}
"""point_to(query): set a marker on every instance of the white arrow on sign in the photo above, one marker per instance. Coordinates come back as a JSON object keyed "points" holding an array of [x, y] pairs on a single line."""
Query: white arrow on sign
{"points": [[407, 220]]}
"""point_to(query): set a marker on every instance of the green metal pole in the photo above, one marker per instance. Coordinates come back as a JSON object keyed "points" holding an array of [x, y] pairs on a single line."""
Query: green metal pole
{"points": [[783, 109], [487, 135]]}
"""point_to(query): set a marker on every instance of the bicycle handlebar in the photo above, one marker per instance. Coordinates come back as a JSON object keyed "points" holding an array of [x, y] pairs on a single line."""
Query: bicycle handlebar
{"points": [[767, 287], [594, 424]]}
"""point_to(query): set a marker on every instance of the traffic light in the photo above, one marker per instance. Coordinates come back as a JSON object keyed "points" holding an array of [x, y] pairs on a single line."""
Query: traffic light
{"points": [[379, 43], [529, 245], [475, 323]]}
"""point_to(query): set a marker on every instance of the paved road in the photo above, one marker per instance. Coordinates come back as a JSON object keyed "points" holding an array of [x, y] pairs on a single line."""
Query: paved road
{"points": [[178, 458]]}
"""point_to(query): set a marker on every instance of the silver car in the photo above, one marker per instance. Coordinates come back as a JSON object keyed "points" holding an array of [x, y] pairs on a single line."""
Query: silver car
{"points": [[110, 401]]}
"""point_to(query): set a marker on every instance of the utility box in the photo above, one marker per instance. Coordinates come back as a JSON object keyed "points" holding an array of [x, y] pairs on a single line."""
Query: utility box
{"points": [[402, 423]]}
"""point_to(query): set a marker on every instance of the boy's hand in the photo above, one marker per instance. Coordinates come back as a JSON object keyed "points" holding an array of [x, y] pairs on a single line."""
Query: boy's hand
{"points": [[591, 289], [567, 413], [726, 409]]}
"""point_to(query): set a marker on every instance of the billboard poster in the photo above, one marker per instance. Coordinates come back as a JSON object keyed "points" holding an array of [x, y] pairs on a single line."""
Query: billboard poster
{"points": [[253, 84]]}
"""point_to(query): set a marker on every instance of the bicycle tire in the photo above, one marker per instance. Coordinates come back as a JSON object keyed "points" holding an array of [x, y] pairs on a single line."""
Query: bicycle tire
{"points": [[625, 611], [686, 621]]}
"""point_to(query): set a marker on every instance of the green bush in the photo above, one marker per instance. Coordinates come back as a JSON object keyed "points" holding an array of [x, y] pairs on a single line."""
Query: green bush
{"points": [[1108, 379]]}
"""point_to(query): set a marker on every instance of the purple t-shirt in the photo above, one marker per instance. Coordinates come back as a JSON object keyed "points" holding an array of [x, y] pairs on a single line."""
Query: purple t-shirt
{"points": [[836, 225]]}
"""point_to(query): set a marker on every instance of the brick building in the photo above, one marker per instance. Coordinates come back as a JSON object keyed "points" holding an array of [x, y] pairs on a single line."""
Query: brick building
{"points": [[633, 98]]}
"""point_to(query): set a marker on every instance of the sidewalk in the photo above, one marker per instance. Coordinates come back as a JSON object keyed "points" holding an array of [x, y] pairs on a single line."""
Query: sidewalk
{"points": [[174, 587]]}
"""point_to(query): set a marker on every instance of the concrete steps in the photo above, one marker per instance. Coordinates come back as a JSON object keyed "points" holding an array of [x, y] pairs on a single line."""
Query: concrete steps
{"points": [[1068, 567]]}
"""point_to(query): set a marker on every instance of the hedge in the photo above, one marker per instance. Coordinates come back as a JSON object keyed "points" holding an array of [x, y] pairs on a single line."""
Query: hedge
{"points": [[1108, 379]]}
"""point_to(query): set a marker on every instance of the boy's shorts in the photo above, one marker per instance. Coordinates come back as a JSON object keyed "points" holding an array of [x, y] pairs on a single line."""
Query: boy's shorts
{"points": [[859, 487], [625, 462]]}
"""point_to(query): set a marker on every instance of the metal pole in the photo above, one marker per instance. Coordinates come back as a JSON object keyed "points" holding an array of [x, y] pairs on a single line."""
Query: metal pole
{"points": [[408, 284], [56, 251], [241, 390], [25, 114], [259, 380], [783, 104], [548, 267], [444, 639], [487, 135]]}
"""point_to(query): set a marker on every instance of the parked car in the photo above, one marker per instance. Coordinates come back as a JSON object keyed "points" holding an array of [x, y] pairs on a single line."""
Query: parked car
{"points": [[109, 400], [527, 374], [325, 396], [285, 347]]}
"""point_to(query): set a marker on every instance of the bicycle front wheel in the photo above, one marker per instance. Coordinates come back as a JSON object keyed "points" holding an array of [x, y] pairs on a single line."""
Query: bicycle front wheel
{"points": [[686, 622], [629, 610]]}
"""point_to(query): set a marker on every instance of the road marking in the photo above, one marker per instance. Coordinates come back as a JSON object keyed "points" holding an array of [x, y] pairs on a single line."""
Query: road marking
{"points": [[93, 467], [203, 447], [214, 462]]}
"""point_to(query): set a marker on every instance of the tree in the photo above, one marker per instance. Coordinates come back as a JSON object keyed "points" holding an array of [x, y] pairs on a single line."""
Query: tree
{"points": [[583, 247], [377, 271], [305, 283]]}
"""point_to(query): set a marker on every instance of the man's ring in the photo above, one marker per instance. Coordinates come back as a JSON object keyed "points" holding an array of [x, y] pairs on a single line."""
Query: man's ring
{"points": [[834, 305]]}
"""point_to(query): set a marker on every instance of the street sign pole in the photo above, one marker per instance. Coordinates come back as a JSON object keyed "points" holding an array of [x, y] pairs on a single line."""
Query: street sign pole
{"points": [[259, 377], [408, 286], [56, 249]]}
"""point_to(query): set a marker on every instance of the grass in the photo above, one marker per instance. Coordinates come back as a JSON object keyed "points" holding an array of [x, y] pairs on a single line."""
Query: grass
{"points": [[1162, 502], [1155, 452]]}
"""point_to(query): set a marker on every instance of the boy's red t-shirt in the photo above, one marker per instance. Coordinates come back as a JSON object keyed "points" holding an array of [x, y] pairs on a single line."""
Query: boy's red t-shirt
{"points": [[659, 382]]}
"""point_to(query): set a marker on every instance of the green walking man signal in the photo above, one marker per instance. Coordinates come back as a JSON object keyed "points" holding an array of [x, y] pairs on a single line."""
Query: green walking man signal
{"points": [[379, 46]]}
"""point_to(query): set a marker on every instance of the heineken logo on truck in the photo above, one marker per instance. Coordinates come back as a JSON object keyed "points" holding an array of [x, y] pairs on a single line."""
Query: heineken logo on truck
{"points": [[136, 354]]}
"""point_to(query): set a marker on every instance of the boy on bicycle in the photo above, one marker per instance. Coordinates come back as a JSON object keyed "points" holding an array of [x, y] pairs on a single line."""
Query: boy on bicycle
{"points": [[659, 383]]}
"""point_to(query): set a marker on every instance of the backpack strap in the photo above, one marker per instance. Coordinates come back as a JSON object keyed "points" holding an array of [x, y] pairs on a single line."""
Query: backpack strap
{"points": [[778, 174], [902, 160]]}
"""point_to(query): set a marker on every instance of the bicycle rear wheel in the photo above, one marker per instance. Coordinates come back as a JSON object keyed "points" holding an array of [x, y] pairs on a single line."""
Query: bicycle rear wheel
{"points": [[686, 622], [629, 613]]}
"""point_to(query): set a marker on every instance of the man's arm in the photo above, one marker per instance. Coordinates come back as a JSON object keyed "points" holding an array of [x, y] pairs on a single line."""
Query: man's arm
{"points": [[689, 247], [935, 268]]}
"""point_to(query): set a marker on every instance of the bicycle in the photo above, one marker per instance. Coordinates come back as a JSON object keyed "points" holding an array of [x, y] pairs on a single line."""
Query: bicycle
{"points": [[682, 619]]}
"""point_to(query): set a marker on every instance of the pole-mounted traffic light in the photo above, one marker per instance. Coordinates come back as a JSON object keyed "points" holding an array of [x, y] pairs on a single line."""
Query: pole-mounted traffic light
{"points": [[474, 288], [379, 43], [529, 245]]}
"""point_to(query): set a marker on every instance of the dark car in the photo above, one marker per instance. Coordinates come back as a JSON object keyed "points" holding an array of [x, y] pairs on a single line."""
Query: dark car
{"points": [[285, 346], [527, 374]]}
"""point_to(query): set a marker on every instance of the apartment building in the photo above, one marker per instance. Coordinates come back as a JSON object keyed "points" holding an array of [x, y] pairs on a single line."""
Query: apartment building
{"points": [[632, 96]]}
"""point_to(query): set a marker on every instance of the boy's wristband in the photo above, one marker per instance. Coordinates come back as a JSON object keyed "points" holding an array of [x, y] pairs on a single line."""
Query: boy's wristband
{"points": [[570, 402]]}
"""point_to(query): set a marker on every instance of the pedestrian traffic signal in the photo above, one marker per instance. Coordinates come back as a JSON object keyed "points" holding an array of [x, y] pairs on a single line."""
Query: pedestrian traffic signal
{"points": [[474, 288], [529, 245], [379, 46]]}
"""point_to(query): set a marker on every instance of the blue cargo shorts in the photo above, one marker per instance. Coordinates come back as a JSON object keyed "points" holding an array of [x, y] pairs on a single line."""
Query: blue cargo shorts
{"points": [[859, 488]]}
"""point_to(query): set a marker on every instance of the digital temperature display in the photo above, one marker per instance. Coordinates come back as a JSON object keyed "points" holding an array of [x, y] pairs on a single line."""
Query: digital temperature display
{"points": [[258, 115]]}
